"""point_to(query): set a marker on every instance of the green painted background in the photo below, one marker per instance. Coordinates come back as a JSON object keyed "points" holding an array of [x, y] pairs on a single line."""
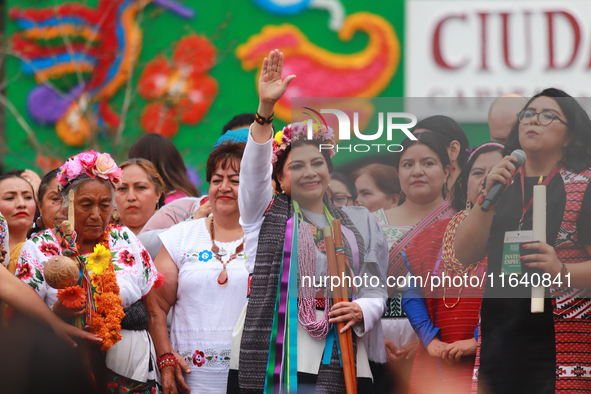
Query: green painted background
{"points": [[227, 24]]}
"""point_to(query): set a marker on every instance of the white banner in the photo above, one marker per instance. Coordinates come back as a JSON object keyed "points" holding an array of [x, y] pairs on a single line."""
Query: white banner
{"points": [[468, 49]]}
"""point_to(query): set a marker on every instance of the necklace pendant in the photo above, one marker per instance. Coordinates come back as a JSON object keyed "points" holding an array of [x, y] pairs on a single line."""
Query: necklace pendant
{"points": [[223, 277], [222, 252]]}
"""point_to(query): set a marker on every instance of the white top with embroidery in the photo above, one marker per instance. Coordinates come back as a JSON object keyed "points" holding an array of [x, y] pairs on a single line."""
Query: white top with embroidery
{"points": [[133, 266], [205, 313], [392, 233]]}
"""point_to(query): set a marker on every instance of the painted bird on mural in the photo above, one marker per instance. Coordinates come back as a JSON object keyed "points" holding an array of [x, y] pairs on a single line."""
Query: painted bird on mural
{"points": [[321, 73], [80, 56]]}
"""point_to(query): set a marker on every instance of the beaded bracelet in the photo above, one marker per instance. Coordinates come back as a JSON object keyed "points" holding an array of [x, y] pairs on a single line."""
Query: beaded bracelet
{"points": [[261, 120], [480, 201], [166, 360]]}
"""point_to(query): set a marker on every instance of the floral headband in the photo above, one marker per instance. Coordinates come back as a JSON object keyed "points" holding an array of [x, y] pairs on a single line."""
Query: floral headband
{"points": [[476, 149], [299, 131], [92, 164]]}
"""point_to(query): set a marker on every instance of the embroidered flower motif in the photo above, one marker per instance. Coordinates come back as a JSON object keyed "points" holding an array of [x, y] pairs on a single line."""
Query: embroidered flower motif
{"points": [[322, 246], [205, 255], [126, 258], [145, 258], [579, 371], [49, 249], [198, 358], [99, 260], [71, 297], [24, 271], [183, 89]]}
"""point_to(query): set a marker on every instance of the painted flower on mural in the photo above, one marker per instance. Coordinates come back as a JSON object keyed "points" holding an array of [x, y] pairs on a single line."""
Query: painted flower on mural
{"points": [[180, 89]]}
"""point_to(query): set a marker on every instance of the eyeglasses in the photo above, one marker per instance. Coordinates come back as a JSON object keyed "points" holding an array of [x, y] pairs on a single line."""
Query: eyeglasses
{"points": [[341, 200], [544, 117]]}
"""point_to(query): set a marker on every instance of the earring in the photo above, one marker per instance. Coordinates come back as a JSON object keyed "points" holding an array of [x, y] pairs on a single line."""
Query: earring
{"points": [[468, 204], [115, 215], [453, 168]]}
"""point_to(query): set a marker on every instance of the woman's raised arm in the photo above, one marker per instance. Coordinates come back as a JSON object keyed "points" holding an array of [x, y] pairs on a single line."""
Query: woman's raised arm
{"points": [[271, 88]]}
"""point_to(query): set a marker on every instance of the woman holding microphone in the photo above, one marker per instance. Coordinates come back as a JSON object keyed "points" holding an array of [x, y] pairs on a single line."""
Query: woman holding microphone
{"points": [[551, 351]]}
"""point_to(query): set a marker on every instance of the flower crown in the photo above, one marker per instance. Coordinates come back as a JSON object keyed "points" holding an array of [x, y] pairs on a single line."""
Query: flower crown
{"points": [[299, 131], [92, 164]]}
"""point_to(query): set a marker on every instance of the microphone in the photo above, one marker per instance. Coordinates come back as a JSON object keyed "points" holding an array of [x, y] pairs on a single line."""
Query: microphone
{"points": [[497, 189]]}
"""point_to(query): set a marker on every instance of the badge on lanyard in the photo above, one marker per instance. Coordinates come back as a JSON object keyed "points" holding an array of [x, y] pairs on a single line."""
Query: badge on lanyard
{"points": [[511, 252]]}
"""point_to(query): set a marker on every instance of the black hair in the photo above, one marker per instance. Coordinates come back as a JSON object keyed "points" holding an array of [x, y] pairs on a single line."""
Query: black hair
{"points": [[168, 161], [577, 155], [337, 176], [44, 185], [245, 119], [226, 154], [278, 169], [449, 130], [460, 188], [432, 141]]}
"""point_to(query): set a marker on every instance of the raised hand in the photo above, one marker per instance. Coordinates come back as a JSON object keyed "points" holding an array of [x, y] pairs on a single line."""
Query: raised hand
{"points": [[271, 86]]}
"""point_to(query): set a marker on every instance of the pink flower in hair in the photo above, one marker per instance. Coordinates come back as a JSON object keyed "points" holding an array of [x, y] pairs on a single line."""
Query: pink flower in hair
{"points": [[73, 168], [88, 159]]}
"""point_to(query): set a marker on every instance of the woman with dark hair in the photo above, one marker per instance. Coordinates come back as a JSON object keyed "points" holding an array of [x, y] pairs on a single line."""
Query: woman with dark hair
{"points": [[423, 168], [455, 140], [342, 190], [377, 186], [299, 214], [206, 282], [50, 201], [543, 352], [445, 319], [17, 204], [169, 163]]}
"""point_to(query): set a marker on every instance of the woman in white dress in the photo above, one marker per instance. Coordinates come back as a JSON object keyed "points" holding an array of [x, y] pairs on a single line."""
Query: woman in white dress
{"points": [[206, 283]]}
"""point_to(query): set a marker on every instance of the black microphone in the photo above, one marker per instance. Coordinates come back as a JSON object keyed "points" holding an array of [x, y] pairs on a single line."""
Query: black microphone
{"points": [[497, 189]]}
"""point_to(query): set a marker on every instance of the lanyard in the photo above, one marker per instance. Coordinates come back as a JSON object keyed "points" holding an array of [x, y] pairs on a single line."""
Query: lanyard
{"points": [[526, 208]]}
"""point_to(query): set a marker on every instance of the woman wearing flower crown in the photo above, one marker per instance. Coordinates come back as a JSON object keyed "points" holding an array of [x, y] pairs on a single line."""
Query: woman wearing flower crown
{"points": [[305, 352], [118, 273], [445, 318]]}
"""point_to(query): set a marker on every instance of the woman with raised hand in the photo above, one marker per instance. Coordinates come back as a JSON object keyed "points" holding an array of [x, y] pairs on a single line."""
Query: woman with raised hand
{"points": [[520, 351], [445, 317], [302, 174], [423, 168], [118, 273], [139, 195]]}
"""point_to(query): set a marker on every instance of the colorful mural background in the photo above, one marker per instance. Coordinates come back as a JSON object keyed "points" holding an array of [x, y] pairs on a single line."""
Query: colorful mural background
{"points": [[227, 25]]}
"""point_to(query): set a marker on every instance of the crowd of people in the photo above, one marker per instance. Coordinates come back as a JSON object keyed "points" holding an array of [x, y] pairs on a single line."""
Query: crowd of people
{"points": [[178, 292]]}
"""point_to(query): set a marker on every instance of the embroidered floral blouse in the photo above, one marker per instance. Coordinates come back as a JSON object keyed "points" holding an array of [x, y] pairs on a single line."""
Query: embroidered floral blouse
{"points": [[134, 268]]}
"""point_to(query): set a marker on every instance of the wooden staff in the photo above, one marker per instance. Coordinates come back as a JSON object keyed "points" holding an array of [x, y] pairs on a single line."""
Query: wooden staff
{"points": [[340, 295], [68, 227], [68, 224], [341, 266]]}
